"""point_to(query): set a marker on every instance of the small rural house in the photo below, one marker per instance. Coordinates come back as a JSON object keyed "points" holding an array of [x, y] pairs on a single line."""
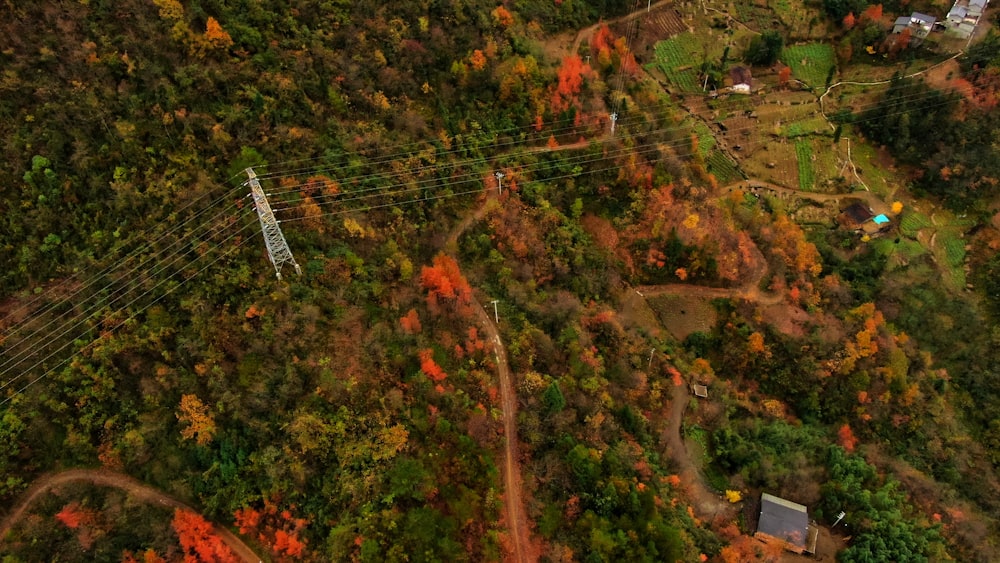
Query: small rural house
{"points": [[786, 523], [742, 80], [860, 217], [920, 26], [963, 17]]}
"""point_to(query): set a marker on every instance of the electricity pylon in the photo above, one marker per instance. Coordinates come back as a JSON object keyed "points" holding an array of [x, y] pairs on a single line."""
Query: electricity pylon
{"points": [[277, 247]]}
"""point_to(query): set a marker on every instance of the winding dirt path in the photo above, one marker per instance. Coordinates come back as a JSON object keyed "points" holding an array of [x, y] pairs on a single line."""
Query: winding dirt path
{"points": [[706, 502], [133, 487], [514, 512]]}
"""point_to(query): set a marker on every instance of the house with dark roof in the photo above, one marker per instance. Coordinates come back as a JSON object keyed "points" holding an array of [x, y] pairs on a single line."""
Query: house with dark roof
{"points": [[920, 26], [856, 215], [786, 523]]}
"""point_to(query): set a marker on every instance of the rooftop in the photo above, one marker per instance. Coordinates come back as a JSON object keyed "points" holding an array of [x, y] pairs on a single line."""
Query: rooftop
{"points": [[783, 520]]}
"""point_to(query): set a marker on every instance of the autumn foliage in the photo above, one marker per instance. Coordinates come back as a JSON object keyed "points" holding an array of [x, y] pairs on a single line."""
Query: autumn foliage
{"points": [[430, 367], [410, 322], [73, 516], [198, 539], [148, 556], [215, 35], [444, 281], [571, 76], [277, 529], [200, 422], [846, 438]]}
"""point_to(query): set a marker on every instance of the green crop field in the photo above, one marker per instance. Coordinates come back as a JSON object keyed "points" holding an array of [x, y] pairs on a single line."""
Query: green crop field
{"points": [[724, 169], [808, 126], [676, 59], [912, 222], [807, 177], [706, 140], [810, 62]]}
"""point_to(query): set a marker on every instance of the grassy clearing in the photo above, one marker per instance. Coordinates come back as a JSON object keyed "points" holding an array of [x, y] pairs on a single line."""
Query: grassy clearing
{"points": [[872, 171], [674, 57], [807, 177], [912, 222], [810, 62]]}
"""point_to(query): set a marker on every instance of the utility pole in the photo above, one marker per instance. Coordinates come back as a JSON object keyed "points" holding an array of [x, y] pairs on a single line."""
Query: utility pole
{"points": [[650, 366], [496, 315], [614, 118], [274, 240], [839, 518], [499, 176]]}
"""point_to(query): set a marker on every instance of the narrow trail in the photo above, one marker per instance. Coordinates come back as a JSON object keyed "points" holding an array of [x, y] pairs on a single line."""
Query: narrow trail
{"points": [[132, 486]]}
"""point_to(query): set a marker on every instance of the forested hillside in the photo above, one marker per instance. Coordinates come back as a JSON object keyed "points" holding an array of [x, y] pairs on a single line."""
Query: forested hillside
{"points": [[525, 230]]}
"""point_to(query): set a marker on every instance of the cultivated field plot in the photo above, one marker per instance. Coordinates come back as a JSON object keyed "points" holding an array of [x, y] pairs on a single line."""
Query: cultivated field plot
{"points": [[662, 23], [759, 18], [775, 162], [900, 253], [676, 58], [912, 222], [665, 23], [706, 140], [811, 63], [807, 126], [723, 168], [804, 157]]}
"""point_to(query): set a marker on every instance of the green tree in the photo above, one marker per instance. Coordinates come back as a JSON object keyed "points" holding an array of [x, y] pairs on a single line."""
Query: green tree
{"points": [[765, 48]]}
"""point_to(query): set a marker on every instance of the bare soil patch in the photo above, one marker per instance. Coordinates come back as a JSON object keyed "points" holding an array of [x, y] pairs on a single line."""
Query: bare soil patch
{"points": [[684, 314]]}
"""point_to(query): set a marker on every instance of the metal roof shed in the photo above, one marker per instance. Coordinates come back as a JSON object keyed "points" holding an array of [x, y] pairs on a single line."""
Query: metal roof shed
{"points": [[785, 522]]}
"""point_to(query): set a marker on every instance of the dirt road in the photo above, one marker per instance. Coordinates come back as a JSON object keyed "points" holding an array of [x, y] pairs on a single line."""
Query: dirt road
{"points": [[135, 488], [706, 502], [513, 494], [517, 524]]}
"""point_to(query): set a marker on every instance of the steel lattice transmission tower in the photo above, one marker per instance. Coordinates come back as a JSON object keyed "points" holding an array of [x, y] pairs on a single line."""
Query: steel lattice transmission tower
{"points": [[277, 247]]}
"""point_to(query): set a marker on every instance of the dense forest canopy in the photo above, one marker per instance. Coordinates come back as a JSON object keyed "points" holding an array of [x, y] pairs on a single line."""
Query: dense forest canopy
{"points": [[525, 230]]}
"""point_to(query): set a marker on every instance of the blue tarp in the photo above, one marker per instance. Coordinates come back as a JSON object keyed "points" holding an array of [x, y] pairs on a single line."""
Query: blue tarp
{"points": [[880, 219]]}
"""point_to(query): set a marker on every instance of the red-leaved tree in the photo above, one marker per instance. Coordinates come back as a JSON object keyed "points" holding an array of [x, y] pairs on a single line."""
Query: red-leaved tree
{"points": [[443, 280], [430, 367], [198, 539]]}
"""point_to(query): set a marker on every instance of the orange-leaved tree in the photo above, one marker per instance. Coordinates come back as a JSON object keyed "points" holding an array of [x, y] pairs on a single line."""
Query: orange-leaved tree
{"points": [[198, 539], [430, 368], [443, 280], [215, 36]]}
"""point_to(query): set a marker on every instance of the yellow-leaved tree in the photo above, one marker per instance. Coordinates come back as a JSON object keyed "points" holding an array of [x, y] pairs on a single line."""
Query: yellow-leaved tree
{"points": [[201, 423]]}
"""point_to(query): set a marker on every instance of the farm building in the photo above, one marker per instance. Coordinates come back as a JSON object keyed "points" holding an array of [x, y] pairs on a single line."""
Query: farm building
{"points": [[920, 26], [786, 523], [855, 215], [860, 217], [964, 15], [741, 78]]}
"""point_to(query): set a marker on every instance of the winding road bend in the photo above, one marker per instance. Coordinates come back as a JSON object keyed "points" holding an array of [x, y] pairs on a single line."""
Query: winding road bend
{"points": [[132, 486]]}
